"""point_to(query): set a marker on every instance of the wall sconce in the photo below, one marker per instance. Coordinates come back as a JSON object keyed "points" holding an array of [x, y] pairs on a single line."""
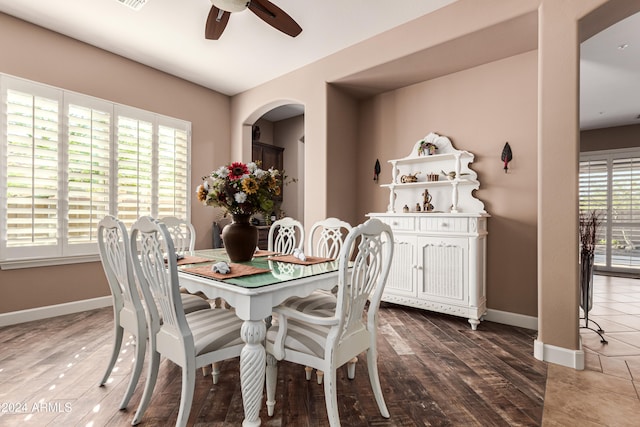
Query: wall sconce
{"points": [[507, 156]]}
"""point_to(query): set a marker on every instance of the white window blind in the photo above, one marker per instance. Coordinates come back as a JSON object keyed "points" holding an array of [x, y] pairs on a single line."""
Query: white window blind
{"points": [[32, 171], [88, 171], [135, 175], [67, 160], [173, 176], [610, 184]]}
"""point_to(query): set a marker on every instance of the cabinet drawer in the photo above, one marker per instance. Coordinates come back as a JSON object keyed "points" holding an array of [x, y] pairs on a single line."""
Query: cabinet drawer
{"points": [[399, 222], [452, 225]]}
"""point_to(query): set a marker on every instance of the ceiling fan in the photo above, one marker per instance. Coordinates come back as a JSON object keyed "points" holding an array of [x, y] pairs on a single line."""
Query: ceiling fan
{"points": [[264, 9]]}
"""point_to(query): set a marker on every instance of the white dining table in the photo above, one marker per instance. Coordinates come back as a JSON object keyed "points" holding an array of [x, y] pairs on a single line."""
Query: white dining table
{"points": [[253, 298]]}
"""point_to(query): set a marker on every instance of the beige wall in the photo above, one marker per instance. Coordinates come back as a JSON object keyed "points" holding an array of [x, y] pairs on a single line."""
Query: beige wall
{"points": [[37, 54], [610, 138], [479, 110], [266, 131], [344, 167], [287, 135]]}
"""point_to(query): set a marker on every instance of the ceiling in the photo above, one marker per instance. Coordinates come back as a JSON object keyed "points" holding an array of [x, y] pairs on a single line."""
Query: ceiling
{"points": [[169, 35], [610, 76]]}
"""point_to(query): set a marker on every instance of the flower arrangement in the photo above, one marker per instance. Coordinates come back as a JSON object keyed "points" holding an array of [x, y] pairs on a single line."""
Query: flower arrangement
{"points": [[241, 188], [427, 148]]}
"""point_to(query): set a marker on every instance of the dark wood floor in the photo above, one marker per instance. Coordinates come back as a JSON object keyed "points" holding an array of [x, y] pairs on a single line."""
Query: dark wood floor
{"points": [[434, 371]]}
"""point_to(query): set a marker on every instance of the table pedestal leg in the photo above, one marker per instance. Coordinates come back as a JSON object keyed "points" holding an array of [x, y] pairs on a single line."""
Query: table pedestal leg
{"points": [[252, 368]]}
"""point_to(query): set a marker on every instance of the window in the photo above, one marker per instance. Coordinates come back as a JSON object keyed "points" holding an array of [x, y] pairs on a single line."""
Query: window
{"points": [[69, 159], [610, 184]]}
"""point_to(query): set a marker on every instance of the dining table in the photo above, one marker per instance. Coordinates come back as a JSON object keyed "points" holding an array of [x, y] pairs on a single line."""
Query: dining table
{"points": [[253, 291]]}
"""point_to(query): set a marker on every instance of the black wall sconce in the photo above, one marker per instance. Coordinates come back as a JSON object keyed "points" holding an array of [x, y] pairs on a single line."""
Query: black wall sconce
{"points": [[507, 156], [376, 170]]}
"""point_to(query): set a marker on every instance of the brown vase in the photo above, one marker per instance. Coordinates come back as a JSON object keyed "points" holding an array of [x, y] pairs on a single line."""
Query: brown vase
{"points": [[240, 238]]}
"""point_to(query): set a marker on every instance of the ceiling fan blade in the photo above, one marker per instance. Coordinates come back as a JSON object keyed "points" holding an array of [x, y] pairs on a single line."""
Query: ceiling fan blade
{"points": [[216, 23], [274, 16]]}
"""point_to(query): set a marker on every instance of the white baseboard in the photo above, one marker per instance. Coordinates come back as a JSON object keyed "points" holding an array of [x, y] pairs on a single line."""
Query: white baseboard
{"points": [[512, 319], [46, 312], [559, 355]]}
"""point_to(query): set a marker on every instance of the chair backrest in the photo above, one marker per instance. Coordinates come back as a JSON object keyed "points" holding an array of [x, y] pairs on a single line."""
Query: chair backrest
{"points": [[285, 235], [331, 233], [157, 275], [365, 280], [182, 233], [113, 245]]}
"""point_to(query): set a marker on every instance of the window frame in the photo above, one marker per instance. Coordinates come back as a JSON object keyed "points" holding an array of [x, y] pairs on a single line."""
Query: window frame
{"points": [[64, 251], [608, 222]]}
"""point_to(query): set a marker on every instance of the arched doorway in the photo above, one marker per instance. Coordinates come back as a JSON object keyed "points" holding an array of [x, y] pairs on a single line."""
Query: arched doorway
{"points": [[276, 135]]}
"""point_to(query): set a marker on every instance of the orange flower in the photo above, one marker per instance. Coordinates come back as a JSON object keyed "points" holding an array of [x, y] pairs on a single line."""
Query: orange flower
{"points": [[202, 193]]}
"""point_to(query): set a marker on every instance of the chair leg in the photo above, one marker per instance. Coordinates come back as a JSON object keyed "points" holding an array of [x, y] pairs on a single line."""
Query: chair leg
{"points": [[152, 376], [372, 363], [215, 372], [141, 346], [308, 370], [331, 398], [117, 344], [205, 370], [271, 378], [186, 399], [351, 368], [319, 376]]}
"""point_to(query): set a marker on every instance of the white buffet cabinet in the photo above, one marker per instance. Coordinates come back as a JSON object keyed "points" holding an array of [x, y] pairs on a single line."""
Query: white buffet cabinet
{"points": [[439, 255]]}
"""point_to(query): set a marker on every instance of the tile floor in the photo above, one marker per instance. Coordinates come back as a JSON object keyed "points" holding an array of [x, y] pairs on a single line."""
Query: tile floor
{"points": [[607, 392]]}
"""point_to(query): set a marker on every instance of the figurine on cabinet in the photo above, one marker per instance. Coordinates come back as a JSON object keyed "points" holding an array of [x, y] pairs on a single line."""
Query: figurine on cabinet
{"points": [[412, 177], [426, 201]]}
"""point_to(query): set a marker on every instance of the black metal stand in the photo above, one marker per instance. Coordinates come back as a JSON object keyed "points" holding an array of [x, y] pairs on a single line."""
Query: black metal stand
{"points": [[586, 291]]}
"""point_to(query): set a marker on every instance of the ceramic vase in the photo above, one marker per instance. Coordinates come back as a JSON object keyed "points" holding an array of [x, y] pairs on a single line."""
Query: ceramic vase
{"points": [[240, 238]]}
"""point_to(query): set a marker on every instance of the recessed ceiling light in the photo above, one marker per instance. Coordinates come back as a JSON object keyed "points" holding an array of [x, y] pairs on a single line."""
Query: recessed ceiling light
{"points": [[623, 46], [133, 4]]}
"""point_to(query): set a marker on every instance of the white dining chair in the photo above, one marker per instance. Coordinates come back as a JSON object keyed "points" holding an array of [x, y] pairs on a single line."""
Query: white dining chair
{"points": [[128, 310], [326, 238], [285, 235], [329, 341], [183, 235], [192, 340], [182, 232]]}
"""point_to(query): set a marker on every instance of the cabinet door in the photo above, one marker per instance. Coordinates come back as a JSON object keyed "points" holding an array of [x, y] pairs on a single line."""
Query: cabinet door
{"points": [[402, 276], [443, 269], [271, 156]]}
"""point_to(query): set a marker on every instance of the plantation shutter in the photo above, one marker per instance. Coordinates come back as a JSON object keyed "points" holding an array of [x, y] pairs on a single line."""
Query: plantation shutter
{"points": [[625, 208], [173, 172], [594, 195], [67, 160], [135, 169], [32, 154], [594, 178], [610, 184], [88, 172]]}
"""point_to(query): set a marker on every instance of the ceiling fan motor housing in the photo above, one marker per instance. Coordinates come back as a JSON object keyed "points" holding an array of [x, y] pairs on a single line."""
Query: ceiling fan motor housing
{"points": [[231, 5]]}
